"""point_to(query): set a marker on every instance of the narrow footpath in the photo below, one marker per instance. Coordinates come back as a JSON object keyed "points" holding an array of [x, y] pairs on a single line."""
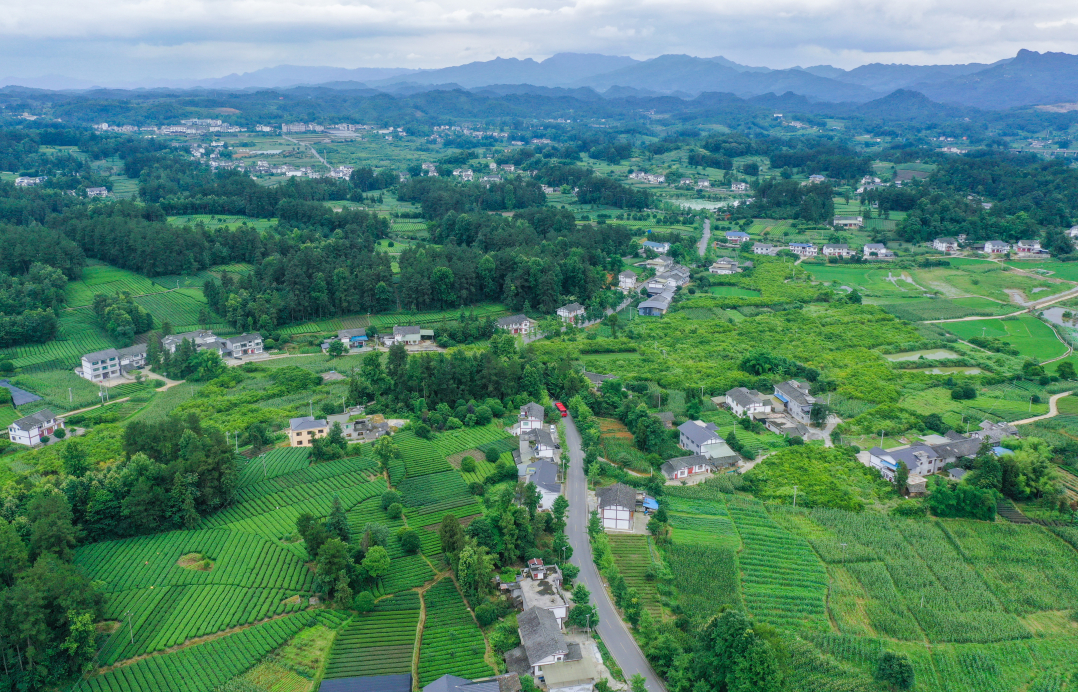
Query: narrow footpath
{"points": [[611, 628]]}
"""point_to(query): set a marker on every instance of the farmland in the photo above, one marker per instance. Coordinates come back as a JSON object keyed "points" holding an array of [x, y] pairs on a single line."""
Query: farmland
{"points": [[98, 277], [1032, 338], [452, 642], [632, 556], [377, 643]]}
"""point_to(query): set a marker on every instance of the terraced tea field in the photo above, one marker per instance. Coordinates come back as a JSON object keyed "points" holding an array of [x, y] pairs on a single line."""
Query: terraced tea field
{"points": [[452, 643], [632, 556], [377, 643], [98, 277]]}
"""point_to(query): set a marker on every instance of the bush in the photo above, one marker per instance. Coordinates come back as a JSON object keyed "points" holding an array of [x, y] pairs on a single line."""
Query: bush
{"points": [[486, 614], [60, 433], [476, 488], [363, 602], [390, 497], [6, 366], [421, 430], [467, 465], [492, 455], [395, 510], [409, 540]]}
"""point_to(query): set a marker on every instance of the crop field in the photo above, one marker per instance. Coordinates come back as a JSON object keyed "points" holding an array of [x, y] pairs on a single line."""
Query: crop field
{"points": [[98, 277], [180, 309], [752, 442], [919, 309], [995, 404], [53, 387], [782, 581], [376, 643], [200, 667], [1057, 270], [80, 333], [713, 529], [1032, 338], [632, 556], [198, 279], [276, 462], [452, 643]]}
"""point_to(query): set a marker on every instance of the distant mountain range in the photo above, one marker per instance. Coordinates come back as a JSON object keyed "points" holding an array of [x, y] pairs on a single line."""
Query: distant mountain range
{"points": [[1028, 79]]}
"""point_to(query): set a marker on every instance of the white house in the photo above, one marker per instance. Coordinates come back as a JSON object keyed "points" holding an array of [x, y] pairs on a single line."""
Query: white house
{"points": [[803, 249], [725, 265], [353, 338], [996, 247], [112, 362], [837, 250], [739, 187], [516, 324], [683, 467], [923, 460], [29, 181], [531, 417], [796, 399], [945, 244], [543, 472], [616, 506], [744, 402], [878, 250], [541, 639], [242, 345], [656, 305], [30, 429], [627, 280], [849, 221], [736, 236], [817, 178], [1029, 247], [539, 586], [1072, 232], [570, 312], [694, 434], [661, 248], [764, 249], [97, 192], [546, 444], [201, 339], [409, 335]]}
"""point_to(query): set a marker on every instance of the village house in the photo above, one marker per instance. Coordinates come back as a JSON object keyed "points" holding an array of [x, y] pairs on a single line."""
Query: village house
{"points": [[817, 178], [30, 429], [97, 192], [1030, 247], [781, 424], [516, 324], [736, 236], [353, 338], [996, 247], [29, 181], [703, 183], [877, 251], [305, 430], [796, 399], [543, 472], [596, 379], [616, 506], [743, 402], [683, 467], [242, 345], [803, 249], [660, 248], [570, 312], [409, 335], [539, 586], [764, 249], [726, 265], [656, 305], [530, 418], [923, 459], [542, 643], [686, 181], [627, 280], [739, 187], [995, 432], [695, 434], [111, 362], [945, 244], [849, 222], [201, 339], [837, 250], [446, 683], [546, 444]]}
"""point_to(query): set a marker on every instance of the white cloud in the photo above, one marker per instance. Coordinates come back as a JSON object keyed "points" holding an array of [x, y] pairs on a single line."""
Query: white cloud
{"points": [[137, 39]]}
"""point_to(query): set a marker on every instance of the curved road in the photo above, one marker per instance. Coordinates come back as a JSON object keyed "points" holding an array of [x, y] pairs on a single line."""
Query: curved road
{"points": [[1053, 410], [702, 245], [613, 630]]}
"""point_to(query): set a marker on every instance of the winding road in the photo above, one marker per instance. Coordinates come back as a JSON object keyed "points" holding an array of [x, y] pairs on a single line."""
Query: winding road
{"points": [[1053, 410], [702, 245], [611, 628]]}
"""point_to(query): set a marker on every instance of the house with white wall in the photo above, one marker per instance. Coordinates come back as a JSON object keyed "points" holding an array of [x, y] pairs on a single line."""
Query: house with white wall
{"points": [[29, 430]]}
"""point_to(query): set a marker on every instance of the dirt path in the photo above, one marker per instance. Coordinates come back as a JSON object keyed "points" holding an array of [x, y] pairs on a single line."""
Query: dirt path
{"points": [[1053, 410], [1070, 349]]}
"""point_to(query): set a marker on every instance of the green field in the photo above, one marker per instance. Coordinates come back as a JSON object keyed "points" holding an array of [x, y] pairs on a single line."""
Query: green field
{"points": [[80, 333], [1032, 338], [98, 277]]}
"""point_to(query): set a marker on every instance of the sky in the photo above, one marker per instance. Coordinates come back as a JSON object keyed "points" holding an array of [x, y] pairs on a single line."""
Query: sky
{"points": [[127, 42]]}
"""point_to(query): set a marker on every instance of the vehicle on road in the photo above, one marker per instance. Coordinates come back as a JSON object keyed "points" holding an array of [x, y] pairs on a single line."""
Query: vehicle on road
{"points": [[561, 409]]}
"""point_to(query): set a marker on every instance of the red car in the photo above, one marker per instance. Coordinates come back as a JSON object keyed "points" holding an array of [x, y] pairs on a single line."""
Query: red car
{"points": [[561, 407]]}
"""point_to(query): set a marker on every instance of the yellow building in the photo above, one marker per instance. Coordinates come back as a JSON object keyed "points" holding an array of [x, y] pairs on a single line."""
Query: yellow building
{"points": [[303, 431]]}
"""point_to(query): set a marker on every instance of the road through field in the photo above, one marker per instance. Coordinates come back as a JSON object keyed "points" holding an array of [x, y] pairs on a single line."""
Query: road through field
{"points": [[611, 627], [702, 245], [1053, 410]]}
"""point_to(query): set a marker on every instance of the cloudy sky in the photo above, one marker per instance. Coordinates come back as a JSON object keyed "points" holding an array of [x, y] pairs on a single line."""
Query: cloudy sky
{"points": [[118, 41]]}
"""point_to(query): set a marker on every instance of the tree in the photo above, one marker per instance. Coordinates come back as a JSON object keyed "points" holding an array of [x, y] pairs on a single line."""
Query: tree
{"points": [[409, 540], [342, 592], [385, 449], [332, 558], [530, 498], [1065, 370], [558, 509], [336, 348], [395, 510], [612, 322], [902, 476], [895, 670], [337, 523], [376, 562], [818, 414], [467, 464], [450, 534], [74, 458], [756, 670], [12, 553], [390, 497], [51, 527], [638, 683], [363, 602]]}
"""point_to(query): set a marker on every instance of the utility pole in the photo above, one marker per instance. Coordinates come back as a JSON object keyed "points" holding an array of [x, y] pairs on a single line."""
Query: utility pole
{"points": [[795, 497], [236, 435], [69, 399], [312, 407]]}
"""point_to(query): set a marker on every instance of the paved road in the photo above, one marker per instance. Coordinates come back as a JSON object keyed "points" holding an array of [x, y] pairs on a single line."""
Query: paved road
{"points": [[612, 629], [309, 146], [1052, 410], [702, 245]]}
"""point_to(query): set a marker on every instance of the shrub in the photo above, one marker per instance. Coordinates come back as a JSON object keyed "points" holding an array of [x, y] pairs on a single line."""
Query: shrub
{"points": [[467, 465], [60, 433], [389, 497], [6, 366], [492, 455], [409, 540], [421, 430], [363, 602], [395, 510], [485, 614]]}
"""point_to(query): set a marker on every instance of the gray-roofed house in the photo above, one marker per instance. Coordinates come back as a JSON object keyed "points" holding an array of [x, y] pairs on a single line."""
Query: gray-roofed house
{"points": [[616, 506], [544, 473], [922, 459], [531, 417], [995, 432], [202, 339], [945, 244], [516, 324], [627, 280], [408, 334], [596, 379], [571, 312], [877, 250], [683, 467], [725, 265], [743, 402], [111, 362], [764, 249], [657, 305], [305, 430], [539, 586], [352, 338], [29, 430], [837, 250], [451, 683], [796, 399], [782, 425], [957, 473], [694, 434], [546, 444], [541, 638], [242, 345]]}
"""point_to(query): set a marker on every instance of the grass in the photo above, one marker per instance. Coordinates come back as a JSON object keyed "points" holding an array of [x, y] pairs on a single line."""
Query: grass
{"points": [[98, 277], [1032, 338], [80, 333]]}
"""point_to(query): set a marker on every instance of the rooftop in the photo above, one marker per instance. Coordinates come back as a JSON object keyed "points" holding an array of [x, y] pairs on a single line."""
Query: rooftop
{"points": [[540, 634], [540, 593], [617, 495], [674, 465], [699, 432], [34, 420], [306, 423]]}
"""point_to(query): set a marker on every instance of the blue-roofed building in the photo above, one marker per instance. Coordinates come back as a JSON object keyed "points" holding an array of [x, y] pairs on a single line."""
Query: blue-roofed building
{"points": [[736, 236], [1000, 451], [661, 248]]}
